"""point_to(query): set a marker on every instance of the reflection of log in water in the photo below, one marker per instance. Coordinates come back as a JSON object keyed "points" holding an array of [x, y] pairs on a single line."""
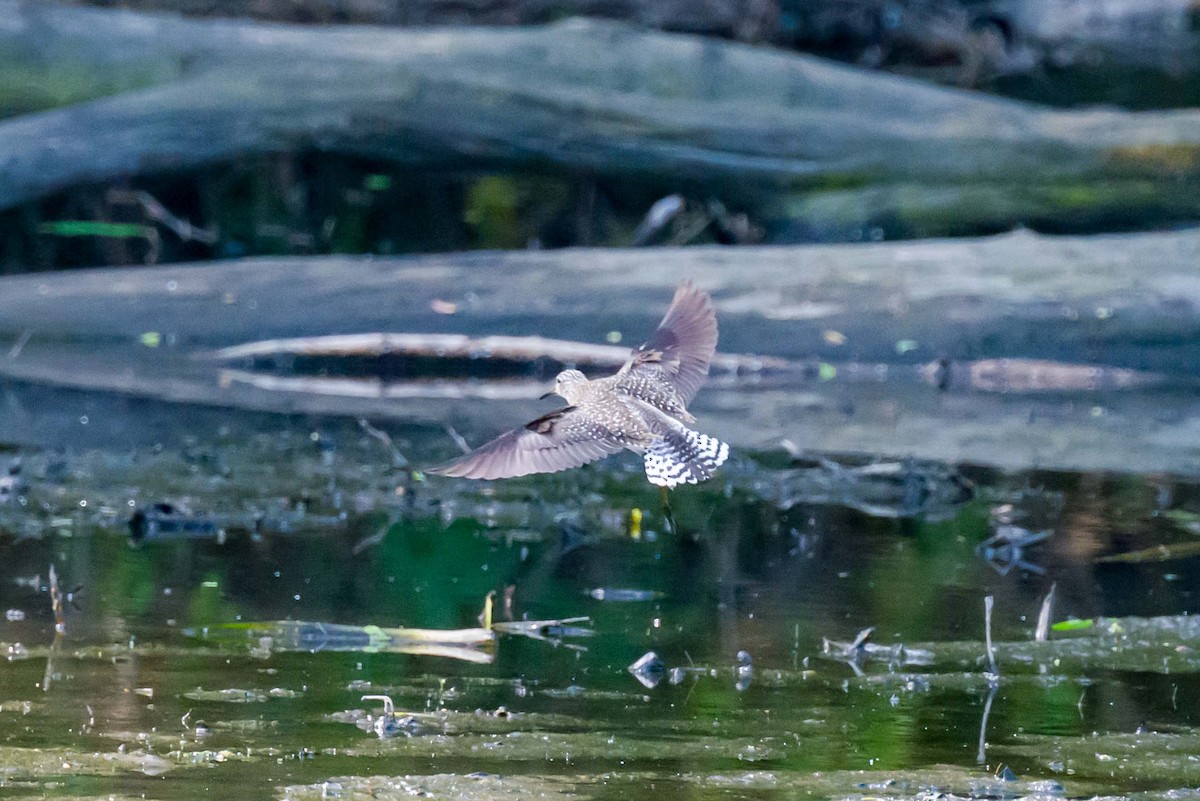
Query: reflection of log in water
{"points": [[769, 130], [458, 346]]}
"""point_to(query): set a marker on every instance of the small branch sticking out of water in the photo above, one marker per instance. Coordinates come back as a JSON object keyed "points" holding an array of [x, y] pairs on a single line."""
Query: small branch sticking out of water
{"points": [[389, 707], [1043, 625], [988, 602], [56, 604], [60, 626]]}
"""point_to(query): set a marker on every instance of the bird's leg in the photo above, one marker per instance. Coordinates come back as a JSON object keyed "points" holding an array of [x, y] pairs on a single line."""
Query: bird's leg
{"points": [[668, 515]]}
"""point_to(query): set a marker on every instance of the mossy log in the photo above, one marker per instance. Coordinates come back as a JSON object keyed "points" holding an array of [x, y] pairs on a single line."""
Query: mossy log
{"points": [[784, 135]]}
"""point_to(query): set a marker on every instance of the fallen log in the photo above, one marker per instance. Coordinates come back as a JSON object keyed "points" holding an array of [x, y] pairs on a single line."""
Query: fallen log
{"points": [[740, 19], [765, 129], [1125, 51], [1100, 333]]}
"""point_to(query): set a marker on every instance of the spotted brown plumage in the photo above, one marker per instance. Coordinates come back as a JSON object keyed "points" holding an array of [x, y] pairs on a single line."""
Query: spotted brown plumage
{"points": [[643, 408]]}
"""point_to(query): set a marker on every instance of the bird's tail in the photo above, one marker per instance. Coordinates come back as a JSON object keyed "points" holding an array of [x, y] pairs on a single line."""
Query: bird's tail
{"points": [[684, 456]]}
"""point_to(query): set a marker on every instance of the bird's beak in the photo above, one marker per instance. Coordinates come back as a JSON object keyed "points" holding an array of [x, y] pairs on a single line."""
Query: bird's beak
{"points": [[550, 394]]}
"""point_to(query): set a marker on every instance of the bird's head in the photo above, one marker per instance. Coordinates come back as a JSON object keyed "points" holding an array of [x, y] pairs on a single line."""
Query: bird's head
{"points": [[567, 385]]}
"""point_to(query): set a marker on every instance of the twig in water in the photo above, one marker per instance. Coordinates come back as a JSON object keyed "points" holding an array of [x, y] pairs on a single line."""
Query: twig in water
{"points": [[1043, 625], [48, 675], [988, 601]]}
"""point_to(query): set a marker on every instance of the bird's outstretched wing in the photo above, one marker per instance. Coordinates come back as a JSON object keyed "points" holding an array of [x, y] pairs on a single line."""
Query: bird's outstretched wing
{"points": [[556, 441], [680, 349]]}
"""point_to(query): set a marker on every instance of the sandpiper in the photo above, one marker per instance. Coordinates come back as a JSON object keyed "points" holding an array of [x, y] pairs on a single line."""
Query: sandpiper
{"points": [[643, 407]]}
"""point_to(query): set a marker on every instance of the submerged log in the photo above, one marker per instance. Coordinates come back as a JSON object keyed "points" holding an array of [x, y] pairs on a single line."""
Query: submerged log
{"points": [[871, 316], [772, 131]]}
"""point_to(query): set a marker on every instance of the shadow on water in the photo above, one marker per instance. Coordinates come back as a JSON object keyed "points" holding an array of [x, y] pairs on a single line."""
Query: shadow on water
{"points": [[246, 521]]}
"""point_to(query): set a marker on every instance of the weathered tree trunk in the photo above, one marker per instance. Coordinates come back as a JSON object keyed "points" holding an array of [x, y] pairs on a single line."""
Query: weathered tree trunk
{"points": [[741, 19], [962, 41], [890, 322], [748, 124]]}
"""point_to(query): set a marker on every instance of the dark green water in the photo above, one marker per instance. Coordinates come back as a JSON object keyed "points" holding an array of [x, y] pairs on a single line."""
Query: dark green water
{"points": [[761, 562]]}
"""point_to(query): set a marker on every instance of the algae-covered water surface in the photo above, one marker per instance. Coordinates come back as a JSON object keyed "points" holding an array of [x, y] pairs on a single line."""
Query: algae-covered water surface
{"points": [[230, 586], [263, 282]]}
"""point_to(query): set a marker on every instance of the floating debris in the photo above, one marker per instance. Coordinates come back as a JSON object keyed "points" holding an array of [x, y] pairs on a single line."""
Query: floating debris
{"points": [[1168, 644], [619, 595], [648, 669], [1005, 549], [551, 631], [676, 675], [231, 695], [861, 650], [167, 521], [469, 645], [388, 724]]}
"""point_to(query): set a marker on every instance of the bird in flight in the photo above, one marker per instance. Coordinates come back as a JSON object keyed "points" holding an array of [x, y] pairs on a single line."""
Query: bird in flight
{"points": [[643, 408]]}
